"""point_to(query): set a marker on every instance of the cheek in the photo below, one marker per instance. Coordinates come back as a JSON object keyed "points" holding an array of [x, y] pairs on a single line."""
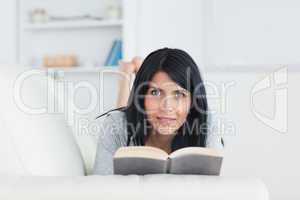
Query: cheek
{"points": [[151, 105], [183, 110], [151, 109]]}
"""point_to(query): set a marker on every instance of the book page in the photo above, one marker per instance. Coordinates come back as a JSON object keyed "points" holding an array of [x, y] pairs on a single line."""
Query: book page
{"points": [[196, 150], [142, 152]]}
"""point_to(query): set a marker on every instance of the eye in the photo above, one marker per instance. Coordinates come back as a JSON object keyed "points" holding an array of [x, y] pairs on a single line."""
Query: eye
{"points": [[155, 92], [179, 94]]}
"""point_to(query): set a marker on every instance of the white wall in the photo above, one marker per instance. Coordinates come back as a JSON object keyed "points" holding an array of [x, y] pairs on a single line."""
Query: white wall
{"points": [[216, 32], [8, 50], [169, 23], [254, 32]]}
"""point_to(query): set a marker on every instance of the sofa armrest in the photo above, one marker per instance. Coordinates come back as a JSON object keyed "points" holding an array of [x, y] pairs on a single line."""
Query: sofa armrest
{"points": [[113, 187]]}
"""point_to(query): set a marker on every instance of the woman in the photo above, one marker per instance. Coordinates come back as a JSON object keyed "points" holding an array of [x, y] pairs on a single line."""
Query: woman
{"points": [[167, 108]]}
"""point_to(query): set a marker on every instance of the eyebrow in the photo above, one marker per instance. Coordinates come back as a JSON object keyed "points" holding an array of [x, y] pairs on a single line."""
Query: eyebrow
{"points": [[180, 90]]}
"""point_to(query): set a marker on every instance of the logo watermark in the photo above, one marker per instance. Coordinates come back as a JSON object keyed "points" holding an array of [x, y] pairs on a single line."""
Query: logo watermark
{"points": [[277, 81], [61, 95]]}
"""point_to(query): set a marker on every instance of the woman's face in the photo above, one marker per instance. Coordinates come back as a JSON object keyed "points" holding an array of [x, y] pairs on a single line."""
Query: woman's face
{"points": [[166, 104]]}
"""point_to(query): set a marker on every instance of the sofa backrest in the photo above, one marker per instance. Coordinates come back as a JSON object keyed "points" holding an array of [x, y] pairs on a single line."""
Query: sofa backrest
{"points": [[33, 140]]}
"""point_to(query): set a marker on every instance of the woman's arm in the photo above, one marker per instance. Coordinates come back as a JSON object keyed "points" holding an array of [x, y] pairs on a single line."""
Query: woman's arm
{"points": [[127, 75], [111, 136], [106, 148]]}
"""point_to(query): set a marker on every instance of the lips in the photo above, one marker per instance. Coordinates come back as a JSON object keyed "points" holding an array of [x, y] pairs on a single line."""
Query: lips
{"points": [[166, 120]]}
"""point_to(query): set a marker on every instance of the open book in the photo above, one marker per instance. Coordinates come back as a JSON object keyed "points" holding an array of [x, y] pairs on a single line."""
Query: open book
{"points": [[150, 160]]}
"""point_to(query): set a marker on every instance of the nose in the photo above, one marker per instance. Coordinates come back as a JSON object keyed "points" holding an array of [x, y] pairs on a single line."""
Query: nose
{"points": [[167, 104]]}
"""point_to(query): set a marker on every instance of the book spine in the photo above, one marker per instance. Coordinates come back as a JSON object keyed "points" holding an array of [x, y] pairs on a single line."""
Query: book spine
{"points": [[120, 51], [117, 54], [109, 57]]}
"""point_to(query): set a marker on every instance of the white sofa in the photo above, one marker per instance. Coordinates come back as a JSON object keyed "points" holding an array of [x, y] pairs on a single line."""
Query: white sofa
{"points": [[41, 158], [131, 187]]}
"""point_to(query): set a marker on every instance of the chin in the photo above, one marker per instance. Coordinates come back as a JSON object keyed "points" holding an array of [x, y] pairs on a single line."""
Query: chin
{"points": [[166, 132]]}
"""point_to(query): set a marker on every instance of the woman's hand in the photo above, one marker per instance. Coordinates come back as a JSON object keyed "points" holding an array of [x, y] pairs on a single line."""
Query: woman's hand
{"points": [[131, 67]]}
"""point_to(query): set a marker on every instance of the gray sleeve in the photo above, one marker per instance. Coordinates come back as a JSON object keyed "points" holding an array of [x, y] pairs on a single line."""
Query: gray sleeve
{"points": [[110, 138], [214, 138]]}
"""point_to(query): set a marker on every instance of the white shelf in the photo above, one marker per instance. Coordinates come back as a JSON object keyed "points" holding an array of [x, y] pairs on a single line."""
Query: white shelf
{"points": [[89, 38], [59, 72], [78, 24], [113, 69]]}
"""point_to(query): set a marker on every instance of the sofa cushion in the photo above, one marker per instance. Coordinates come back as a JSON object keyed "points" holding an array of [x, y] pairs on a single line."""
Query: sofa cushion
{"points": [[33, 141], [133, 187]]}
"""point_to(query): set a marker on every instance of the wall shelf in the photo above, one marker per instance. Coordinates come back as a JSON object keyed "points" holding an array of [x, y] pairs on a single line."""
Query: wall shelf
{"points": [[114, 69], [78, 24], [90, 39], [60, 72]]}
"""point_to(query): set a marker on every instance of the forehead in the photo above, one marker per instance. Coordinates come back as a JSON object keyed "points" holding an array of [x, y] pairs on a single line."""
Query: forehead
{"points": [[163, 81]]}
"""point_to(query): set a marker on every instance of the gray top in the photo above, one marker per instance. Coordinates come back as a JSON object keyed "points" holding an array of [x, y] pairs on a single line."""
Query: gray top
{"points": [[113, 134]]}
